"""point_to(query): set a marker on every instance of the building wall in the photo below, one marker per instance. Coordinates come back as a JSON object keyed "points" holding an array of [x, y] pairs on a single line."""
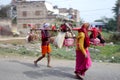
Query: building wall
{"points": [[34, 13], [5, 27], [75, 15]]}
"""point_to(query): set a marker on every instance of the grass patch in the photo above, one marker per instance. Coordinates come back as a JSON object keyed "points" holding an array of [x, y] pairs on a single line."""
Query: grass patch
{"points": [[20, 51], [109, 53], [63, 53]]}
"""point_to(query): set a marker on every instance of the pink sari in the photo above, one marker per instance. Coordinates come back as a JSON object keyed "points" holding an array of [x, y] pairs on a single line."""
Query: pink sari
{"points": [[82, 63]]}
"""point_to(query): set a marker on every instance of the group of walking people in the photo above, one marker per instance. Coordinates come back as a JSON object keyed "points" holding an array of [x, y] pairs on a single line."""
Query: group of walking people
{"points": [[83, 60]]}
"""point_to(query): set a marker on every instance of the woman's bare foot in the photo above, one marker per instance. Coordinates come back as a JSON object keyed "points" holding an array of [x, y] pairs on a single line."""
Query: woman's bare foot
{"points": [[35, 63], [49, 66], [78, 76]]}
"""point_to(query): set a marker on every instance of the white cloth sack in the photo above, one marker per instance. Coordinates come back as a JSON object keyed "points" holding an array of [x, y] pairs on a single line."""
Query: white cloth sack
{"points": [[58, 42]]}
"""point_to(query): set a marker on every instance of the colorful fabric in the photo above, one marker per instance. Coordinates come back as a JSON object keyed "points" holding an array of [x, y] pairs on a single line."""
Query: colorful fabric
{"points": [[45, 46], [46, 49], [82, 44], [95, 41], [99, 36], [53, 27], [94, 33], [45, 37], [63, 28], [82, 63], [69, 42], [84, 29]]}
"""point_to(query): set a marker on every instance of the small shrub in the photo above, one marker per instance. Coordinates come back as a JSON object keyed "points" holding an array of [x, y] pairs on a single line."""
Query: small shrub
{"points": [[115, 37]]}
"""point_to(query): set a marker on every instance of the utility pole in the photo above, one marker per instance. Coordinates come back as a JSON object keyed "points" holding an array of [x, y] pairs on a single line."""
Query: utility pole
{"points": [[118, 20]]}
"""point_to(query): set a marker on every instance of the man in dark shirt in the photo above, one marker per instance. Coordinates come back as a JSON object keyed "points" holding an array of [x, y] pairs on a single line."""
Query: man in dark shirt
{"points": [[45, 46]]}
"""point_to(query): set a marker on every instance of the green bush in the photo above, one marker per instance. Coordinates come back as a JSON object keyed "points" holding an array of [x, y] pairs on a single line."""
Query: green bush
{"points": [[115, 37]]}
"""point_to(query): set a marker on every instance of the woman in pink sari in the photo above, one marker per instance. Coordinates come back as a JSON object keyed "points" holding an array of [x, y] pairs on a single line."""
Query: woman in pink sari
{"points": [[83, 60]]}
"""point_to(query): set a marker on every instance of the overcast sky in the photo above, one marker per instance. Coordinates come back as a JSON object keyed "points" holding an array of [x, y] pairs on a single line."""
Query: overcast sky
{"points": [[90, 10]]}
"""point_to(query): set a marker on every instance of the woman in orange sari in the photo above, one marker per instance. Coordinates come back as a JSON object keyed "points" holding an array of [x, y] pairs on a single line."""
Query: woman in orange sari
{"points": [[83, 60], [45, 46]]}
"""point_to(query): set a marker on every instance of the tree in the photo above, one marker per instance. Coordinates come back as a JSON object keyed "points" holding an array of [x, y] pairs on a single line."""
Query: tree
{"points": [[111, 25], [117, 14], [4, 11], [116, 9]]}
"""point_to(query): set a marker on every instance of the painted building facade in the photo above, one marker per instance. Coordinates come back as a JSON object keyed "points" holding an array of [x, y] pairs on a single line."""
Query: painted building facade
{"points": [[36, 13]]}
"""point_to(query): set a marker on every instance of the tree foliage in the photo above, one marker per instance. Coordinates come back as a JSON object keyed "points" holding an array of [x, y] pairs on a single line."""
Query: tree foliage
{"points": [[4, 11], [116, 9], [112, 23]]}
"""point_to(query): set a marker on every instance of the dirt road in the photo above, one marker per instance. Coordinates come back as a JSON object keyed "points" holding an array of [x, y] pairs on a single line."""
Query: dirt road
{"points": [[23, 69]]}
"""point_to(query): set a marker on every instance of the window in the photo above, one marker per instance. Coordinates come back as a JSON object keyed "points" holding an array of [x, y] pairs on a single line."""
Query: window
{"points": [[24, 13], [37, 6], [37, 13]]}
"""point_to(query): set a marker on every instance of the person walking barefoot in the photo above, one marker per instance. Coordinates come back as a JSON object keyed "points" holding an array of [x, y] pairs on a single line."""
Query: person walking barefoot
{"points": [[45, 46], [83, 60]]}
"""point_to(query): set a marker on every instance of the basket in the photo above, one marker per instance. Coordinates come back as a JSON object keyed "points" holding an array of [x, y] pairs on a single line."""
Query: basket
{"points": [[69, 42]]}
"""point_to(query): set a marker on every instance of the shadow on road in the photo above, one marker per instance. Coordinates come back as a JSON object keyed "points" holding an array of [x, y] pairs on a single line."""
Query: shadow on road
{"points": [[45, 72], [48, 73]]}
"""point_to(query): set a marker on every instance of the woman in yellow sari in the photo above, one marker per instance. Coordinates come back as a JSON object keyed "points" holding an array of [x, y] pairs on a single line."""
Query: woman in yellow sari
{"points": [[83, 60]]}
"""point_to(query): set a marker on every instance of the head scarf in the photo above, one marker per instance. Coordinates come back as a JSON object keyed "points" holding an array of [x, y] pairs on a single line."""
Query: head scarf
{"points": [[84, 29], [94, 32], [46, 25]]}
